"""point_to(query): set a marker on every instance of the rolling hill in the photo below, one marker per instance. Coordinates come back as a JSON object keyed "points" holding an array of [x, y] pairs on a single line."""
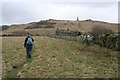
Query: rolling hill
{"points": [[44, 27]]}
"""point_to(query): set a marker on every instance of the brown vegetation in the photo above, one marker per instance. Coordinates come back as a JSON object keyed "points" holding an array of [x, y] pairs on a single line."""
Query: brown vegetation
{"points": [[52, 25]]}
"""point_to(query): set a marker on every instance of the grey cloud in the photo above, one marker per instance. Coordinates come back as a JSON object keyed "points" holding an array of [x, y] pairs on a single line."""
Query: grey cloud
{"points": [[60, 0], [88, 4], [14, 12], [23, 12]]}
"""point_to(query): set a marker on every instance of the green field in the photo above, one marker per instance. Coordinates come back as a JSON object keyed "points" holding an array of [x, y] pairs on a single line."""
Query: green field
{"points": [[57, 58]]}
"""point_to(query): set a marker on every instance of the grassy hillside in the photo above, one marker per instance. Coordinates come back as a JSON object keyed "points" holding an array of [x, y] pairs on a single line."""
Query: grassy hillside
{"points": [[57, 58], [39, 27]]}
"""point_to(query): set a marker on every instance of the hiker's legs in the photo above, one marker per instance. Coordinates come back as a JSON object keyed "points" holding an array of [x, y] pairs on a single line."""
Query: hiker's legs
{"points": [[29, 50]]}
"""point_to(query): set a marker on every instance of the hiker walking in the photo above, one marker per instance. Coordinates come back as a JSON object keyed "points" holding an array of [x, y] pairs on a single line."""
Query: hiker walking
{"points": [[28, 45]]}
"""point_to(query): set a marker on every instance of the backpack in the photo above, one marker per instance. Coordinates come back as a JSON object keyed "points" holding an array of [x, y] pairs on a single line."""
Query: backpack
{"points": [[29, 41]]}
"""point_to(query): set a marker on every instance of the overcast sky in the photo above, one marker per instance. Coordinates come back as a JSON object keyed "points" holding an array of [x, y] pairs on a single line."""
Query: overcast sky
{"points": [[22, 11]]}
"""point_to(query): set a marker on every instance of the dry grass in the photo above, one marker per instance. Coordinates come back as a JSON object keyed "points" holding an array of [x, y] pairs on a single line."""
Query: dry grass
{"points": [[83, 26], [57, 58]]}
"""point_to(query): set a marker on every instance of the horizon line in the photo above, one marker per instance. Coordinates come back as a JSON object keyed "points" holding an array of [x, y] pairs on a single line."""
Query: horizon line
{"points": [[62, 20]]}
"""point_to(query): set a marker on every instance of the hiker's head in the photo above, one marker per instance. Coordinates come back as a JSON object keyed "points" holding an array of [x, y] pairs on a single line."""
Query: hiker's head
{"points": [[29, 35]]}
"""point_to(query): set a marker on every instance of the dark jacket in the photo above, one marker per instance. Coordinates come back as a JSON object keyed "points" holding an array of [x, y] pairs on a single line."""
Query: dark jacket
{"points": [[25, 43]]}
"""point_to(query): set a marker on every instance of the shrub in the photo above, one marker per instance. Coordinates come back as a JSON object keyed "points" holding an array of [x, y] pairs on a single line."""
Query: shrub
{"points": [[99, 30], [4, 27]]}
